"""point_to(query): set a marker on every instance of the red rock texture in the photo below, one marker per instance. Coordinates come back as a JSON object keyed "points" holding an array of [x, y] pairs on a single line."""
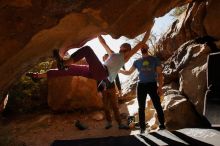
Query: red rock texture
{"points": [[211, 19], [69, 93], [31, 29], [198, 20]]}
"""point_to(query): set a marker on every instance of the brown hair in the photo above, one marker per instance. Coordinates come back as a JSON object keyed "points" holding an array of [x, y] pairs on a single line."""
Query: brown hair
{"points": [[126, 45], [145, 49], [104, 57]]}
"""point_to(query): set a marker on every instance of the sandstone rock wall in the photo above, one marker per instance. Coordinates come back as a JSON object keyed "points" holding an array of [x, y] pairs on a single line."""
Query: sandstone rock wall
{"points": [[198, 20], [187, 67], [193, 82], [31, 29], [211, 20], [188, 71]]}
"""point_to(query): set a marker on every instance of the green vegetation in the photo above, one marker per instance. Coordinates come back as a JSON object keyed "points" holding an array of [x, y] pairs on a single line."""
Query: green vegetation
{"points": [[27, 95], [178, 11]]}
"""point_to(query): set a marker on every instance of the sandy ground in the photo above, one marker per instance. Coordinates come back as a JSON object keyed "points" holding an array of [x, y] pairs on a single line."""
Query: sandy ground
{"points": [[41, 129]]}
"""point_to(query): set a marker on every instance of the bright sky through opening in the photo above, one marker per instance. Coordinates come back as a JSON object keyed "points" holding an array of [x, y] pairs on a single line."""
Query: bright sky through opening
{"points": [[160, 26]]}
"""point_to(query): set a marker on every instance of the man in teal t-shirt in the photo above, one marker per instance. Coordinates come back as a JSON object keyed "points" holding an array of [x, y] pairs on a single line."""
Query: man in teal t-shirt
{"points": [[150, 82]]}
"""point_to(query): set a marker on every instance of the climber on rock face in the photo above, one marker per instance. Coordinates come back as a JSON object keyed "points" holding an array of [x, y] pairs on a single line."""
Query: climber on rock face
{"points": [[95, 69]]}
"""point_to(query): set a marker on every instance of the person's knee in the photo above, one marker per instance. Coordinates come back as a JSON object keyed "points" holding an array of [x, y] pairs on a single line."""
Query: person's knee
{"points": [[87, 49]]}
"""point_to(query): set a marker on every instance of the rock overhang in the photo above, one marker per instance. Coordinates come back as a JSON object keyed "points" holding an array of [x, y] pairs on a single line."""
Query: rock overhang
{"points": [[31, 29]]}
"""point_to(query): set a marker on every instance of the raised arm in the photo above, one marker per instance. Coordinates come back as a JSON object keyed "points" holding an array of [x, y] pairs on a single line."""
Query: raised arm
{"points": [[128, 72], [137, 47], [107, 48]]}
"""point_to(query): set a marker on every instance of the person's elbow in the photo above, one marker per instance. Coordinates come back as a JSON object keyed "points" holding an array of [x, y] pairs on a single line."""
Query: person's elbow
{"points": [[123, 72], [129, 72]]}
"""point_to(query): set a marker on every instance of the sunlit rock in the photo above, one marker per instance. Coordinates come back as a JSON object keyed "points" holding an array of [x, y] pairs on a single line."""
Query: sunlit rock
{"points": [[30, 30], [179, 112], [193, 77], [69, 93]]}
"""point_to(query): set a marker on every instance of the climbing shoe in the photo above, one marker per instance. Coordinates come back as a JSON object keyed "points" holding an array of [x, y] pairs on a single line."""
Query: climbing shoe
{"points": [[142, 131], [80, 126], [162, 127], [130, 119], [60, 63]]}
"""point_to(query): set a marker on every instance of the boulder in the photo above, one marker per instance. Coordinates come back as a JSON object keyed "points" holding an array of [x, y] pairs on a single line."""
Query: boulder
{"points": [[193, 82], [179, 112], [189, 67], [171, 86], [69, 93]]}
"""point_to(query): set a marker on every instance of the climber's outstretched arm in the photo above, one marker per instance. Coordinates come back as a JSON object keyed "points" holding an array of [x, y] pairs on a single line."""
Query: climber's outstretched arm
{"points": [[104, 44]]}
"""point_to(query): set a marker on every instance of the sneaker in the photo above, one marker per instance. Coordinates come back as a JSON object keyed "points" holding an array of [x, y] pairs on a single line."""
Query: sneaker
{"points": [[142, 131], [33, 75], [162, 127], [130, 119], [122, 126], [80, 126], [60, 63], [108, 125]]}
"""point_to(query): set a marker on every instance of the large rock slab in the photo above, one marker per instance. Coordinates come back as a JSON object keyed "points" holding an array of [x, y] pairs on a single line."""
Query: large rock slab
{"points": [[193, 82], [187, 67], [180, 113], [70, 93]]}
